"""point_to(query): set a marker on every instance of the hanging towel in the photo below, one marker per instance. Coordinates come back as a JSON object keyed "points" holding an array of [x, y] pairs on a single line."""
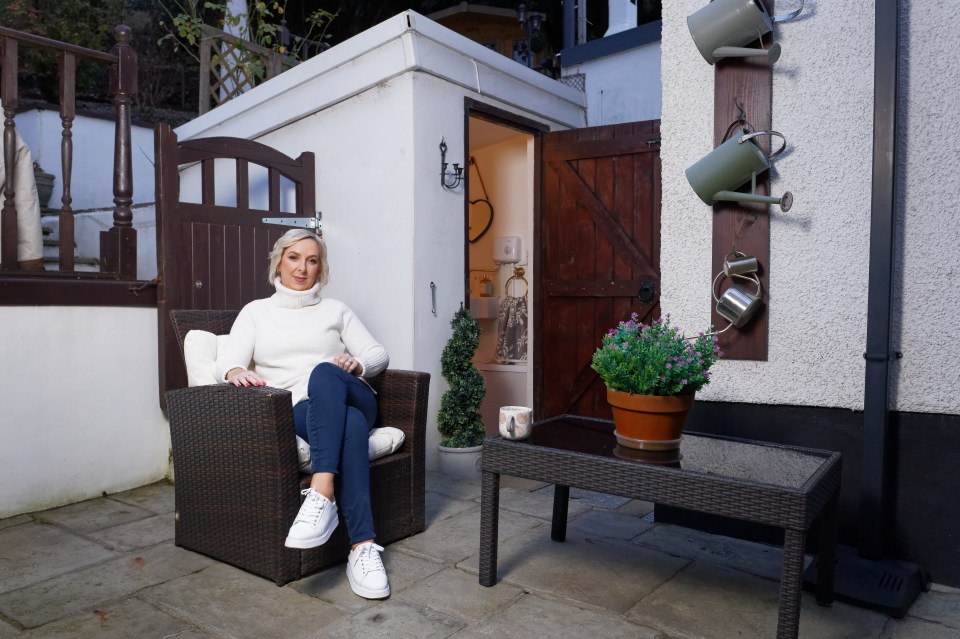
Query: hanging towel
{"points": [[512, 342]]}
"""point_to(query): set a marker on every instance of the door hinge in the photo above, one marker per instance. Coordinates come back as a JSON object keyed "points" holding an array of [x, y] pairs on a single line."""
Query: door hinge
{"points": [[312, 223]]}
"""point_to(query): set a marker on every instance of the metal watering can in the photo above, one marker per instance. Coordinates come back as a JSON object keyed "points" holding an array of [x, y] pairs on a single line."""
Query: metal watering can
{"points": [[721, 28], [731, 165], [737, 305]]}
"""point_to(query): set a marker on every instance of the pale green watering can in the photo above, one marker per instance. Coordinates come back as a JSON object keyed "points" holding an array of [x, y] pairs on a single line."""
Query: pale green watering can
{"points": [[717, 175], [722, 28]]}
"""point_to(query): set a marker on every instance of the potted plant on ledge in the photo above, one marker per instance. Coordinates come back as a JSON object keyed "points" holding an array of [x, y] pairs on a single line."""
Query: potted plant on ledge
{"points": [[652, 373], [459, 419]]}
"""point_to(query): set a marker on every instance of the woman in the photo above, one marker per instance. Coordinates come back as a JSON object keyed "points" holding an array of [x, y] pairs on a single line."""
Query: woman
{"points": [[316, 348]]}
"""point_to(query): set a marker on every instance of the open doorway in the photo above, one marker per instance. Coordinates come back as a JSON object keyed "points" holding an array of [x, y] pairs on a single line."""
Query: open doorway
{"points": [[500, 203]]}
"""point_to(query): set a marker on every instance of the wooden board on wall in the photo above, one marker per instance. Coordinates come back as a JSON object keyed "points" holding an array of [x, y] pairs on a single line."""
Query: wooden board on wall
{"points": [[746, 83]]}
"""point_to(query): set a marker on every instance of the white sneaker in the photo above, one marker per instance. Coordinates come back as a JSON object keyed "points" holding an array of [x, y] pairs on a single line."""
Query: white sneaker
{"points": [[368, 577], [315, 522]]}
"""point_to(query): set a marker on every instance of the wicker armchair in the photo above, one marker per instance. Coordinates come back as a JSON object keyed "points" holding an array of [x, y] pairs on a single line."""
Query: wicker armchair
{"points": [[237, 483]]}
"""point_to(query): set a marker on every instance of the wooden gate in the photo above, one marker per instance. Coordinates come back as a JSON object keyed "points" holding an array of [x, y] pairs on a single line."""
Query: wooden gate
{"points": [[214, 254], [599, 255]]}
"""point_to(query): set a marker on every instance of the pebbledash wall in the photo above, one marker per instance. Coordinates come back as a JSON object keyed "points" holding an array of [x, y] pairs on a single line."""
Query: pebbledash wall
{"points": [[810, 390]]}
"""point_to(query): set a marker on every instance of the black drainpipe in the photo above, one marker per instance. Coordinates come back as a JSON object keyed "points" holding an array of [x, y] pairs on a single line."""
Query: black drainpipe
{"points": [[865, 577], [874, 496]]}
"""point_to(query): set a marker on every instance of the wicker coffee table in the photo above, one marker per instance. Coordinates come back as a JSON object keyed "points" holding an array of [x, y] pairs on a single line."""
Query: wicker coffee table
{"points": [[781, 486]]}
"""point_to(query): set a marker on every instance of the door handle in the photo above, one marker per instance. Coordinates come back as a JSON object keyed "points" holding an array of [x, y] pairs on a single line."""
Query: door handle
{"points": [[647, 291]]}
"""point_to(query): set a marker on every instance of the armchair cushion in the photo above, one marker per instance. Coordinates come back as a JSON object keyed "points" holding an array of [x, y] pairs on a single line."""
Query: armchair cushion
{"points": [[200, 350], [383, 441]]}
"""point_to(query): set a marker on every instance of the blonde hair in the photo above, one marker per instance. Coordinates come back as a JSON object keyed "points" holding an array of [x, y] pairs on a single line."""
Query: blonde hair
{"points": [[287, 240]]}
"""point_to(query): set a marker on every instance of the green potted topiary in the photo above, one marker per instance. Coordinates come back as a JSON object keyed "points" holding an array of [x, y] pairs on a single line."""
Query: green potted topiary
{"points": [[459, 419]]}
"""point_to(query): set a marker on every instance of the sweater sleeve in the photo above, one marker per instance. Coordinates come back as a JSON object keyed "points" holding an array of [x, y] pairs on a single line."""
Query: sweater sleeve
{"points": [[238, 350], [361, 344]]}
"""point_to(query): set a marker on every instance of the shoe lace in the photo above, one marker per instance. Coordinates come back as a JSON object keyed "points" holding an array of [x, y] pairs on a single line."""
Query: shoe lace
{"points": [[312, 514], [369, 558]]}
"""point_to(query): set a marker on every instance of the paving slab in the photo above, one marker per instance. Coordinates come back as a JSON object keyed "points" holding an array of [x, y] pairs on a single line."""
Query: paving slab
{"points": [[459, 594], [90, 587], [33, 552], [521, 483], [708, 601], [636, 507], [395, 619], [93, 514], [456, 487], [331, 585], [228, 602], [440, 507], [941, 604], [910, 628], [137, 534], [157, 497], [537, 504], [9, 632], [602, 574], [609, 524], [532, 616], [593, 498], [121, 620], [458, 537], [759, 559], [16, 520]]}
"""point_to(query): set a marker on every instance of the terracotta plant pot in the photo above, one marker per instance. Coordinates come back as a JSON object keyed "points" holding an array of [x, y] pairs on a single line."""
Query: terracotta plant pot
{"points": [[648, 422]]}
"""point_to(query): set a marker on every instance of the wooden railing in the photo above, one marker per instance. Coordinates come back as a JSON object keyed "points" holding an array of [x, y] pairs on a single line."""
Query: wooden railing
{"points": [[118, 245], [230, 65]]}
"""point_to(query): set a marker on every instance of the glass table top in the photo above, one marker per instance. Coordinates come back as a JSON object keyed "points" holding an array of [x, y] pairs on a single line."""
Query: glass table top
{"points": [[731, 458]]}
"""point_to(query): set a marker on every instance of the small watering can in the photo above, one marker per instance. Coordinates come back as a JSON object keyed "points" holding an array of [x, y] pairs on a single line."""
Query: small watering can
{"points": [[737, 305], [721, 28], [732, 164]]}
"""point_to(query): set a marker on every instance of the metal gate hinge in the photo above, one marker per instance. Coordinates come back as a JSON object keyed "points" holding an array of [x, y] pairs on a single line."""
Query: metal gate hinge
{"points": [[312, 223]]}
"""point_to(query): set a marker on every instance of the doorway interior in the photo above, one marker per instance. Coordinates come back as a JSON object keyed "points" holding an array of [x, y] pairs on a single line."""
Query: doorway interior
{"points": [[500, 200]]}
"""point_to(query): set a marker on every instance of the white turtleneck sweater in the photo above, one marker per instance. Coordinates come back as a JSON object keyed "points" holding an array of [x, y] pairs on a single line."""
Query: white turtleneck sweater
{"points": [[287, 334]]}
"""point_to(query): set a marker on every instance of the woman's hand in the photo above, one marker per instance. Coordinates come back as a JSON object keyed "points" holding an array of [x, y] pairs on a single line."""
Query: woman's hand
{"points": [[348, 363], [242, 377]]}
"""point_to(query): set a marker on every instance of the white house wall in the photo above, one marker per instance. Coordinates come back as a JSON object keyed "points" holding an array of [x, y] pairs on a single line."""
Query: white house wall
{"points": [[80, 410], [623, 87], [819, 251]]}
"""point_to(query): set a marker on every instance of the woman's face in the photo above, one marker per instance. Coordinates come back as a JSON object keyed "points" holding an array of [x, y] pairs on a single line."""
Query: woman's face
{"points": [[300, 265]]}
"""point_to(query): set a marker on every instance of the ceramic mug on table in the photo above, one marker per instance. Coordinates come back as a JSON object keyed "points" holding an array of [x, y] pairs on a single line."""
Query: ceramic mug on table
{"points": [[515, 422]]}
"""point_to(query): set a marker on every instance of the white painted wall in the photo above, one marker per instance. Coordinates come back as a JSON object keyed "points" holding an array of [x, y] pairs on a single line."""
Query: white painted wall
{"points": [[80, 412], [823, 103], [623, 87]]}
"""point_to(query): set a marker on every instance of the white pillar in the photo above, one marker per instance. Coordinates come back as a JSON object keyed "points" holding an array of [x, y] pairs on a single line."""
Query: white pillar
{"points": [[622, 16]]}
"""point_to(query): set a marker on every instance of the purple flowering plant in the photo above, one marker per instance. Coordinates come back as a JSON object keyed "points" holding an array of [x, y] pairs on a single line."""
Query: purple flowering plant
{"points": [[655, 359]]}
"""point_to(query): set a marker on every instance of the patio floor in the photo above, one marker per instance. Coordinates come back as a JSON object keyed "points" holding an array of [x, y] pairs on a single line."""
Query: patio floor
{"points": [[107, 567]]}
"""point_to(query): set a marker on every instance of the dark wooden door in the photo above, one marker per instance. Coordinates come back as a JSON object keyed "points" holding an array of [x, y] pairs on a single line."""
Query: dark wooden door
{"points": [[599, 255], [213, 254]]}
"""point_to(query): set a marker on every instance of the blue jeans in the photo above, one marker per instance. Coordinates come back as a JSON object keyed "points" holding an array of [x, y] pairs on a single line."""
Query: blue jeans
{"points": [[336, 419]]}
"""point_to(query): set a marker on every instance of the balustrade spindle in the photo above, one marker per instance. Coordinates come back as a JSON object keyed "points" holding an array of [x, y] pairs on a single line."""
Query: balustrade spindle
{"points": [[68, 111], [9, 91]]}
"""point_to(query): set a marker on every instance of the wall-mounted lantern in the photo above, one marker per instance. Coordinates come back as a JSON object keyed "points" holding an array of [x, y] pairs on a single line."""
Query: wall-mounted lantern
{"points": [[722, 28], [449, 179], [717, 175]]}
